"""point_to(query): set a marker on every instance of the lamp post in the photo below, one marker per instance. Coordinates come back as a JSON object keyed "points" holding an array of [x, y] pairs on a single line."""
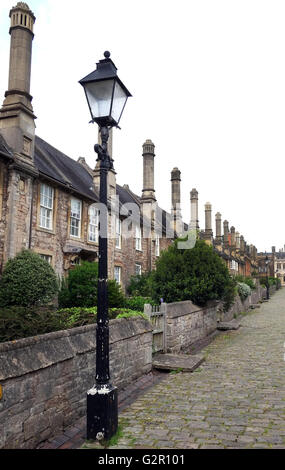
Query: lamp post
{"points": [[106, 97], [267, 280]]}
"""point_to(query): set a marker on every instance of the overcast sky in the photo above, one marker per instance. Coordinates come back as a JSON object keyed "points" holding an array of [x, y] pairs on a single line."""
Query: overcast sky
{"points": [[208, 85]]}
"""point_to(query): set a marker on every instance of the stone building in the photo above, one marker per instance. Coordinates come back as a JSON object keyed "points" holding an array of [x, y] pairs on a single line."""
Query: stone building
{"points": [[49, 202], [275, 261]]}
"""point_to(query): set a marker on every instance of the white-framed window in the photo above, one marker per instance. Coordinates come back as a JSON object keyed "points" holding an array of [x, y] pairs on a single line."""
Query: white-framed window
{"points": [[157, 245], [118, 233], [138, 238], [46, 206], [75, 217], [47, 258], [117, 274], [138, 269], [93, 232]]}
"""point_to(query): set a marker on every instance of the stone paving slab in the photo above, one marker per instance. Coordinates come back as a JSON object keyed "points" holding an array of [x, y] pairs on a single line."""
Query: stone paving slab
{"points": [[235, 399], [175, 362], [229, 325]]}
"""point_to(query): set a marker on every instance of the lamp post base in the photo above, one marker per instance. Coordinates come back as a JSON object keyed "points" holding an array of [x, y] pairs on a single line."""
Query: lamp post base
{"points": [[102, 412]]}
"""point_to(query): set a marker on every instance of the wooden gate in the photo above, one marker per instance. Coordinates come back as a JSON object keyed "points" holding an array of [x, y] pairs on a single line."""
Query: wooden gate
{"points": [[157, 317]]}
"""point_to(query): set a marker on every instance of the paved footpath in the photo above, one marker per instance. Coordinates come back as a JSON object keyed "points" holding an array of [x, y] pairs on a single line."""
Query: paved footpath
{"points": [[236, 399]]}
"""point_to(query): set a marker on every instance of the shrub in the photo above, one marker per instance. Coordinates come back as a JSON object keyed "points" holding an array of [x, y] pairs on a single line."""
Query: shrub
{"points": [[196, 274], [79, 289], [244, 290], [21, 322], [27, 280], [137, 303], [140, 285], [246, 280]]}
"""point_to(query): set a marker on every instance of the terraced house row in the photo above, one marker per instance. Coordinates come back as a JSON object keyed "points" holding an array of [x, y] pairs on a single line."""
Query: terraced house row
{"points": [[50, 203]]}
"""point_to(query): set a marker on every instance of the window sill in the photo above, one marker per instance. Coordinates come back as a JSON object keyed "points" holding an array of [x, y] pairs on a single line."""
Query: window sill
{"points": [[46, 230]]}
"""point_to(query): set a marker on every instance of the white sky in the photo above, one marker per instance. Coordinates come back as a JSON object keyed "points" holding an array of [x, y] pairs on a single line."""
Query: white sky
{"points": [[208, 85]]}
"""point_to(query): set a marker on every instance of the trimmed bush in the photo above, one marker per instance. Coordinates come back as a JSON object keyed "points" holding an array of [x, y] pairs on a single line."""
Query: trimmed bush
{"points": [[79, 289], [140, 285], [196, 274], [22, 322], [244, 290], [27, 280], [246, 280], [137, 303]]}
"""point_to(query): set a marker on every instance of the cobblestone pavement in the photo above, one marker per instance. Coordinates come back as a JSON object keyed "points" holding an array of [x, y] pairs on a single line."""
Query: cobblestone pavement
{"points": [[236, 399]]}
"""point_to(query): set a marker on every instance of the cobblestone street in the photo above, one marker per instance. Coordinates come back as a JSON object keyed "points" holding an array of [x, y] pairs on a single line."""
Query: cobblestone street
{"points": [[235, 399]]}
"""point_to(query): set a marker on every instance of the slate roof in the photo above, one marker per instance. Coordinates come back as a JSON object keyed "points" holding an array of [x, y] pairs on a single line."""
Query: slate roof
{"points": [[63, 169], [58, 167], [4, 149]]}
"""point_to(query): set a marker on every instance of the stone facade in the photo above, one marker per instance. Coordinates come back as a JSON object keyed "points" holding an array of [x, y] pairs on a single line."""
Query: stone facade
{"points": [[44, 379], [48, 201]]}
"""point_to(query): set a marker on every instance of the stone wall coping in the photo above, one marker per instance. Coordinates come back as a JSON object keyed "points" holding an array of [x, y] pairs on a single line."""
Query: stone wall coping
{"points": [[30, 354], [186, 307]]}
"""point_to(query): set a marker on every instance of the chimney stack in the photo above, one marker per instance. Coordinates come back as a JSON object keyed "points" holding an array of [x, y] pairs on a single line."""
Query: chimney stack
{"points": [[175, 201], [194, 222], [148, 200], [16, 115], [233, 236], [148, 171], [226, 234], [218, 228]]}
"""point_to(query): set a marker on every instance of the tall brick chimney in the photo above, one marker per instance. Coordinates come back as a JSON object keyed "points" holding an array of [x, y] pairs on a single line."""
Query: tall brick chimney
{"points": [[218, 218], [194, 222], [148, 200], [208, 222], [16, 115], [226, 234], [176, 201], [148, 171]]}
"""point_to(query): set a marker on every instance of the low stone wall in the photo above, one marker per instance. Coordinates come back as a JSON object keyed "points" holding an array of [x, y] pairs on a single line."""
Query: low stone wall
{"points": [[186, 323], [44, 379], [242, 306]]}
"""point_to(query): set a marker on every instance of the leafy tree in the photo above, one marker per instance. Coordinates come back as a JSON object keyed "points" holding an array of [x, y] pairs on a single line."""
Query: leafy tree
{"points": [[196, 274], [27, 280], [79, 289], [140, 285]]}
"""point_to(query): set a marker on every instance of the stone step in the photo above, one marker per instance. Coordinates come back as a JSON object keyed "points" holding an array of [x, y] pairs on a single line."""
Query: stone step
{"points": [[228, 325], [181, 362]]}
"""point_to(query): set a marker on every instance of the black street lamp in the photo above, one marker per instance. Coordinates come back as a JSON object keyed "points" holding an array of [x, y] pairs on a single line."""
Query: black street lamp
{"points": [[106, 96]]}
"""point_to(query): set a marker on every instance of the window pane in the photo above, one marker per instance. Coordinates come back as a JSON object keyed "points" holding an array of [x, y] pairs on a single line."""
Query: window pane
{"points": [[99, 95], [75, 217], [117, 274], [93, 224], [119, 101]]}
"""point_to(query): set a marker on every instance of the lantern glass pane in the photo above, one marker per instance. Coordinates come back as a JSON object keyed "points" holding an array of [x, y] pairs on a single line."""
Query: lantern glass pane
{"points": [[99, 95], [119, 101]]}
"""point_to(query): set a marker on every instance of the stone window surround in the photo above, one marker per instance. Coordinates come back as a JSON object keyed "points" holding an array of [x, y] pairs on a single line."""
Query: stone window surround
{"points": [[138, 265], [55, 198], [119, 268], [80, 237], [93, 242], [118, 225], [41, 251], [47, 207], [138, 239]]}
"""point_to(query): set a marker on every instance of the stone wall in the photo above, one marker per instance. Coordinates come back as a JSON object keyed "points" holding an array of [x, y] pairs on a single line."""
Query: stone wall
{"points": [[186, 323], [238, 307], [44, 379]]}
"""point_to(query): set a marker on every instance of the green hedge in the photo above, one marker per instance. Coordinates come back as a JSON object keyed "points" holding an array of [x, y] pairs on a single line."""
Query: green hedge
{"points": [[22, 322]]}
